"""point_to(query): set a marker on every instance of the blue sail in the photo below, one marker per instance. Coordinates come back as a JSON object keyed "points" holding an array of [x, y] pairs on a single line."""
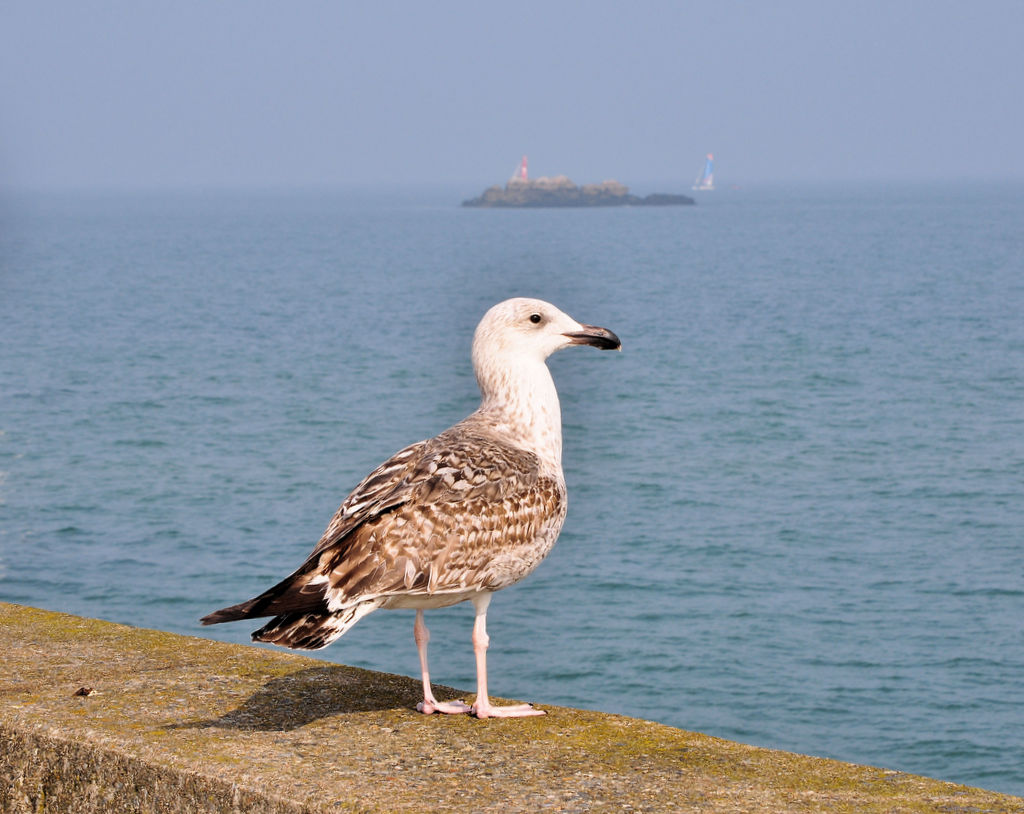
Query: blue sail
{"points": [[706, 179]]}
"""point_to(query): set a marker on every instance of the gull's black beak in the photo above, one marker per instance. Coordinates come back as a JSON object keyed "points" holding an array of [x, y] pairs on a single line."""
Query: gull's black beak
{"points": [[598, 337]]}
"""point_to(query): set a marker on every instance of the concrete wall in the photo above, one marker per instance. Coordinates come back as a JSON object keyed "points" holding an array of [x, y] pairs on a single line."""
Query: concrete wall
{"points": [[179, 724]]}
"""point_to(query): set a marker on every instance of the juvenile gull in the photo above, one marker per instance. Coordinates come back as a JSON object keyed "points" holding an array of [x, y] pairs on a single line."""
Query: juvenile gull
{"points": [[455, 517]]}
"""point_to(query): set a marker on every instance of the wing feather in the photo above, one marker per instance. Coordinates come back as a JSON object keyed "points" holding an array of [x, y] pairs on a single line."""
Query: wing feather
{"points": [[459, 511]]}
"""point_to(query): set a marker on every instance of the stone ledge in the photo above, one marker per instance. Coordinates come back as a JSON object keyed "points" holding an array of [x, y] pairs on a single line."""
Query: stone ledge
{"points": [[178, 724]]}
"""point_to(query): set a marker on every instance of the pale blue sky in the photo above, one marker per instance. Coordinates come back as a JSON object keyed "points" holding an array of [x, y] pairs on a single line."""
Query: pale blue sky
{"points": [[256, 93]]}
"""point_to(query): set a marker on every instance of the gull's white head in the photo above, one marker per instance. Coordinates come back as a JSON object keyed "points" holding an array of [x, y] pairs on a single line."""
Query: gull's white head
{"points": [[509, 348], [516, 336], [533, 329]]}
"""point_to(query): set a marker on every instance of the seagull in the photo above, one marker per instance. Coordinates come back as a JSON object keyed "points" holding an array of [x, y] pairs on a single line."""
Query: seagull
{"points": [[450, 519]]}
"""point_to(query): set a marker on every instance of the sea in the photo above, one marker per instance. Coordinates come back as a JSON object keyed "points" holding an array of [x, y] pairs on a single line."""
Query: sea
{"points": [[796, 497]]}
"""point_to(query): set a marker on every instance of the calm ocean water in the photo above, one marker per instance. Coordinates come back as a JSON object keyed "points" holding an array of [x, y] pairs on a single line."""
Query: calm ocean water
{"points": [[796, 498]]}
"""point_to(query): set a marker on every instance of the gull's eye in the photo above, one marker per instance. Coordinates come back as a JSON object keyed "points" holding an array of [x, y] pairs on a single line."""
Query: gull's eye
{"points": [[534, 318]]}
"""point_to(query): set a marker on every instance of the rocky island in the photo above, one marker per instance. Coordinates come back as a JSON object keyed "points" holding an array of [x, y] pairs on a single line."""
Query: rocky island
{"points": [[560, 191]]}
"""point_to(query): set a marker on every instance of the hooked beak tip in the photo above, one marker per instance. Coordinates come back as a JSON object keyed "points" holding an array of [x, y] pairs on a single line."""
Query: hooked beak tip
{"points": [[592, 335]]}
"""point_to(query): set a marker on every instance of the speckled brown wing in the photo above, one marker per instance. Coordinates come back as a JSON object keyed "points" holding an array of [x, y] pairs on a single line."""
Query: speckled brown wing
{"points": [[383, 489], [458, 512]]}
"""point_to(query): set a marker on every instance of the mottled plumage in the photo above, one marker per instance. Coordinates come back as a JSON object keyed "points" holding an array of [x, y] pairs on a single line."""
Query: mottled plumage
{"points": [[455, 517]]}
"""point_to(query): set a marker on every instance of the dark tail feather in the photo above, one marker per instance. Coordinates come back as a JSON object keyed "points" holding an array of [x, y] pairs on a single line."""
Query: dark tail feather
{"points": [[310, 631], [291, 595], [243, 610]]}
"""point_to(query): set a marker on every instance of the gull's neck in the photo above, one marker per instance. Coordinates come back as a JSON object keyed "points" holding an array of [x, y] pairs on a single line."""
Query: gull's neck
{"points": [[520, 403]]}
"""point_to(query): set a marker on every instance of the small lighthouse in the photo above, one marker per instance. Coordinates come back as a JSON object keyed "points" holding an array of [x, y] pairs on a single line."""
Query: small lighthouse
{"points": [[520, 174]]}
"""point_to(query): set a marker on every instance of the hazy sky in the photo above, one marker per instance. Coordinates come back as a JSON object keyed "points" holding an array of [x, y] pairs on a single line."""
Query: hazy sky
{"points": [[256, 93]]}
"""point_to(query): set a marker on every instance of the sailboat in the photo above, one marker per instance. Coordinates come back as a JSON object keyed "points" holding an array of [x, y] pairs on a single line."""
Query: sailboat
{"points": [[706, 180]]}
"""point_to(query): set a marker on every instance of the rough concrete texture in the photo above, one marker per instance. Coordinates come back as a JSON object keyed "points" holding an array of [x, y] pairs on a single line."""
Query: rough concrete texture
{"points": [[179, 724]]}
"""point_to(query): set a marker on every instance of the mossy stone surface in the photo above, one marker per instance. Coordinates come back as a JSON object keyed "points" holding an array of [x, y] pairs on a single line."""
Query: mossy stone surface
{"points": [[177, 724]]}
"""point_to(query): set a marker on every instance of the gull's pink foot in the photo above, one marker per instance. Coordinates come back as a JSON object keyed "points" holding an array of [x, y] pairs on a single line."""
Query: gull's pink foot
{"points": [[482, 708], [516, 711], [432, 705], [429, 705]]}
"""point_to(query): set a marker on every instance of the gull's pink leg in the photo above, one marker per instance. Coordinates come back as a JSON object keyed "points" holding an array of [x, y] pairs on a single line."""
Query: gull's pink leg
{"points": [[429, 704], [482, 708]]}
